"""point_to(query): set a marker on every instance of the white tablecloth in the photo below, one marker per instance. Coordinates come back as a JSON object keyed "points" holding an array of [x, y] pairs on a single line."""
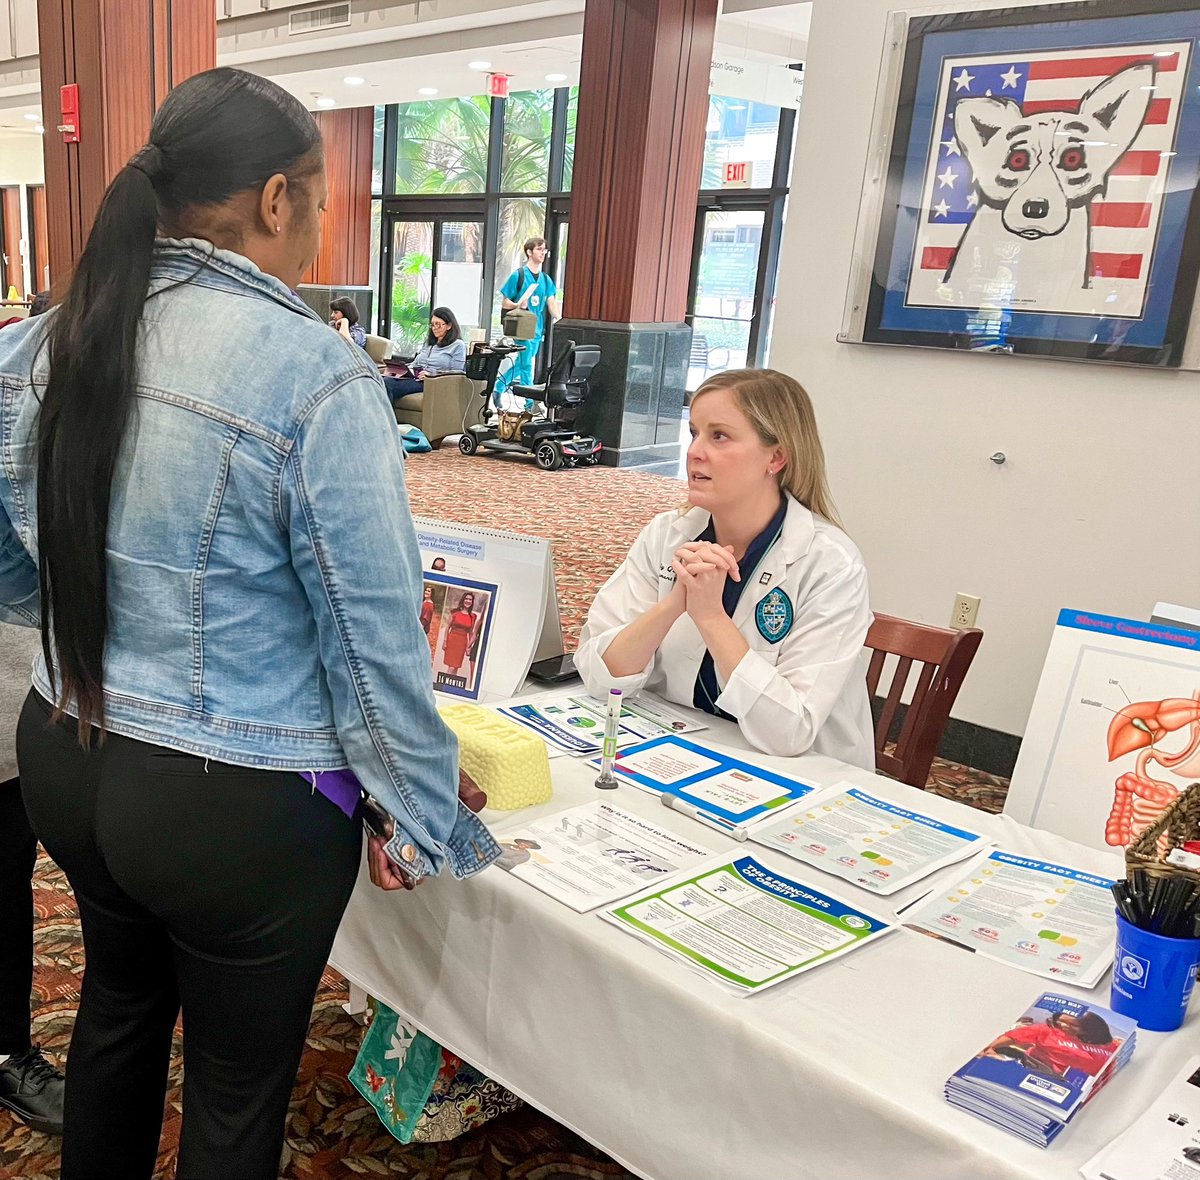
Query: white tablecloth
{"points": [[838, 1073]]}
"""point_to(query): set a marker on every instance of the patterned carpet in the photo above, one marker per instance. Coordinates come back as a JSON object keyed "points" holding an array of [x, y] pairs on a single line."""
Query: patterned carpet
{"points": [[592, 515]]}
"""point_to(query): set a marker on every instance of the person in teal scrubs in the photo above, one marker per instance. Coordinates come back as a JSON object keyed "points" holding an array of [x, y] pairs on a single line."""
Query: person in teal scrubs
{"points": [[530, 288]]}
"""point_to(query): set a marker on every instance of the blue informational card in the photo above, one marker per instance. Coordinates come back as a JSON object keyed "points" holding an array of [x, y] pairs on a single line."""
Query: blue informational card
{"points": [[708, 782]]}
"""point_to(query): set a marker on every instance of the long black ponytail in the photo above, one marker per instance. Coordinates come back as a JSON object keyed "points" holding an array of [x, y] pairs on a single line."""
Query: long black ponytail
{"points": [[217, 135]]}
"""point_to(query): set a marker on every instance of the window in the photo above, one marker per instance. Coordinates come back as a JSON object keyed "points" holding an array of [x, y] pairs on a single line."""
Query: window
{"points": [[442, 146], [740, 130], [377, 155], [569, 152], [521, 218], [525, 163]]}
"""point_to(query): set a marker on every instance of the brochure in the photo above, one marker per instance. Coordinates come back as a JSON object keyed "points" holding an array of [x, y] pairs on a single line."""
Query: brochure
{"points": [[1048, 919], [594, 854], [743, 925], [715, 785], [867, 840], [574, 723], [1035, 1076], [1164, 1143], [456, 616]]}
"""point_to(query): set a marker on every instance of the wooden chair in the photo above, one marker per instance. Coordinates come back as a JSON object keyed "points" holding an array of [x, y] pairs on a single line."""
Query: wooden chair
{"points": [[944, 656]]}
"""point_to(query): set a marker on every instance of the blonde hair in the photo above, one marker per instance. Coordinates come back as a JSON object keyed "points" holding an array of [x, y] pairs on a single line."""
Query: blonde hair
{"points": [[781, 413]]}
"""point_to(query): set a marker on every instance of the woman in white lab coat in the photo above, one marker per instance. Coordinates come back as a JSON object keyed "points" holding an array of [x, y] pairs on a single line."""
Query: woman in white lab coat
{"points": [[748, 602]]}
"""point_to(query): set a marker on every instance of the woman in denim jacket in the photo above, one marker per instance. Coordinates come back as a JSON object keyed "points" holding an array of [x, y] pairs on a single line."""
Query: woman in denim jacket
{"points": [[202, 504]]}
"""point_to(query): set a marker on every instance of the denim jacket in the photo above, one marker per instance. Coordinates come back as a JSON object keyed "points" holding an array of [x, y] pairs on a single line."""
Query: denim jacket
{"points": [[263, 574]]}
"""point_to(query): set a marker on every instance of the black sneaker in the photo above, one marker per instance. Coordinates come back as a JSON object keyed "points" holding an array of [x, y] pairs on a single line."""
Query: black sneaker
{"points": [[32, 1089]]}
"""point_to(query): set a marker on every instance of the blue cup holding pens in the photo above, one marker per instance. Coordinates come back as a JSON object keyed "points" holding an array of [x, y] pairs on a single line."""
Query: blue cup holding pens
{"points": [[1153, 976]]}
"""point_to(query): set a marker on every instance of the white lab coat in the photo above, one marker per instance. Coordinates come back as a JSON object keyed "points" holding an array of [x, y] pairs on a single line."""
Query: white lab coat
{"points": [[807, 690]]}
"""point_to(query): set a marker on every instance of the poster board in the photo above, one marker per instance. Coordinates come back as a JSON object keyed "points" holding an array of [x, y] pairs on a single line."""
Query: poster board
{"points": [[515, 573], [1114, 733]]}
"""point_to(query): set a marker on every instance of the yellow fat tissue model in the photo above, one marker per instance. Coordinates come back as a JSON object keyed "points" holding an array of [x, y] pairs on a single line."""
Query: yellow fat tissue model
{"points": [[505, 760]]}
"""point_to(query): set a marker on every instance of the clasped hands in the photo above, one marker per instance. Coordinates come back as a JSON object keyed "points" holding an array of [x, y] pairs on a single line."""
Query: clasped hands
{"points": [[701, 568]]}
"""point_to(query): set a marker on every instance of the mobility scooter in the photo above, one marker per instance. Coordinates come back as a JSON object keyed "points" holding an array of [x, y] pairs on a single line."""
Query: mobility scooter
{"points": [[552, 440]]}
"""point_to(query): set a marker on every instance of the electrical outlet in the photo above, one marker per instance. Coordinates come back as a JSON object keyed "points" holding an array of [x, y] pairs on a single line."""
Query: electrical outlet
{"points": [[964, 612]]}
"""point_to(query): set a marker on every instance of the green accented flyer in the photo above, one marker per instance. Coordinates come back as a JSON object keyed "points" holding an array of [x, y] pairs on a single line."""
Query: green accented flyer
{"points": [[744, 925]]}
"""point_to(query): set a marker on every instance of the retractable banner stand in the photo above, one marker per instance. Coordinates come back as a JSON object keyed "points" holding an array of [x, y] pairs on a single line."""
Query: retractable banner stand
{"points": [[1114, 734], [489, 607]]}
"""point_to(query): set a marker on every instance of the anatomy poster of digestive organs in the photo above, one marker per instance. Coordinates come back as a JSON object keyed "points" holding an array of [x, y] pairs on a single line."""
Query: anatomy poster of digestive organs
{"points": [[1114, 734]]}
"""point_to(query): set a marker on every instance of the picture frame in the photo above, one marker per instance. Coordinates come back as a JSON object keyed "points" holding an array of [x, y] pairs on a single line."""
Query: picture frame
{"points": [[1034, 184]]}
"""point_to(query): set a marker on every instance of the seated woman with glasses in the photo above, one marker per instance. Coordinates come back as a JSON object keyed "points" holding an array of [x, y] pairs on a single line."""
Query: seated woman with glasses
{"points": [[344, 317], [445, 351]]}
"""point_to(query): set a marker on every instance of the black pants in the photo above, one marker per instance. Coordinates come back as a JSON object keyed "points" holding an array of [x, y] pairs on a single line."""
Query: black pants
{"points": [[212, 888], [18, 851]]}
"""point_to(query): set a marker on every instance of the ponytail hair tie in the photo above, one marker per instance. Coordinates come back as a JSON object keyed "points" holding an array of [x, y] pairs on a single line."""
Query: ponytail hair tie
{"points": [[152, 164]]}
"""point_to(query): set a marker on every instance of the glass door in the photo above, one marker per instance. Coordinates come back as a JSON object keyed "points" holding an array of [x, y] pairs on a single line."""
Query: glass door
{"points": [[725, 290], [429, 262]]}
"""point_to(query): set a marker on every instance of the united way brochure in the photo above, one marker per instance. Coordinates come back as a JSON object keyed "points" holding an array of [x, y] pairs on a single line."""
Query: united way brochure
{"points": [[716, 785], [859, 837], [743, 925], [1045, 918], [1033, 1076]]}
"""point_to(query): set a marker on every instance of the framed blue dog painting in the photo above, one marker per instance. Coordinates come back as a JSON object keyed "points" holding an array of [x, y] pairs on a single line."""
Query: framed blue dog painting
{"points": [[1041, 192]]}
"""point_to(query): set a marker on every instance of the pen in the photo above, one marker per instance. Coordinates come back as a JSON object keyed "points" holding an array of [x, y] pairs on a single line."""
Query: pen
{"points": [[608, 751], [732, 830]]}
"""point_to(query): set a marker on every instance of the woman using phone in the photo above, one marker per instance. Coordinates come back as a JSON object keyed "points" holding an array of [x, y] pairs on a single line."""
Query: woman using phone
{"points": [[444, 351], [749, 602], [344, 318], [216, 543]]}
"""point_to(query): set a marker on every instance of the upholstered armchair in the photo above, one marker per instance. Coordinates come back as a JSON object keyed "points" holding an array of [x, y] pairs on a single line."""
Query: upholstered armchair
{"points": [[447, 405]]}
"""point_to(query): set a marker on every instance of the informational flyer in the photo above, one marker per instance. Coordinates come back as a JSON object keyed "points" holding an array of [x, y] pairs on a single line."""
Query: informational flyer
{"points": [[1048, 919], [716, 785], [744, 925], [861, 838], [573, 723], [594, 854], [1164, 1143]]}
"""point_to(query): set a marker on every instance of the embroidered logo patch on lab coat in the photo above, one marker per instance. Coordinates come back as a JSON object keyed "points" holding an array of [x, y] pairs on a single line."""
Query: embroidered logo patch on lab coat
{"points": [[774, 615]]}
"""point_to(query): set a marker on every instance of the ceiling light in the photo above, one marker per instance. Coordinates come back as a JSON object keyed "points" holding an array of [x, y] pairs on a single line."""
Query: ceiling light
{"points": [[325, 101], [479, 65], [40, 129], [34, 118], [353, 80], [428, 91], [556, 77]]}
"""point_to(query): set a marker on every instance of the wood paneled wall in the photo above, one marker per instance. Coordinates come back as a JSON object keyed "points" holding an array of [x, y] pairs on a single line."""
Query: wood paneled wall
{"points": [[639, 147], [125, 55], [345, 257], [41, 240], [10, 211]]}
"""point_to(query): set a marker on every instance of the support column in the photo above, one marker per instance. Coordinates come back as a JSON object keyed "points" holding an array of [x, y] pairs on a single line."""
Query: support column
{"points": [[345, 257], [639, 147], [124, 55]]}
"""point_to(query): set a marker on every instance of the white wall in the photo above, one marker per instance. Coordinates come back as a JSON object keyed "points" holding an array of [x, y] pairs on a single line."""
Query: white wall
{"points": [[1099, 504]]}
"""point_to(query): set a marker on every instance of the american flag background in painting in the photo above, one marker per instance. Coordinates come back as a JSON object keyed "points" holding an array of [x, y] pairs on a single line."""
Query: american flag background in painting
{"points": [[1124, 218]]}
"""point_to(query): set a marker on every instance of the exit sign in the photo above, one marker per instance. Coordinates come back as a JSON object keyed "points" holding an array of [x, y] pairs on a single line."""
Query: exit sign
{"points": [[497, 85], [737, 174]]}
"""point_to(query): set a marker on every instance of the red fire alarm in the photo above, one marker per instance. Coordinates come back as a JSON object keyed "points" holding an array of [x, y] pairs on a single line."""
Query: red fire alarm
{"points": [[497, 86], [68, 101]]}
